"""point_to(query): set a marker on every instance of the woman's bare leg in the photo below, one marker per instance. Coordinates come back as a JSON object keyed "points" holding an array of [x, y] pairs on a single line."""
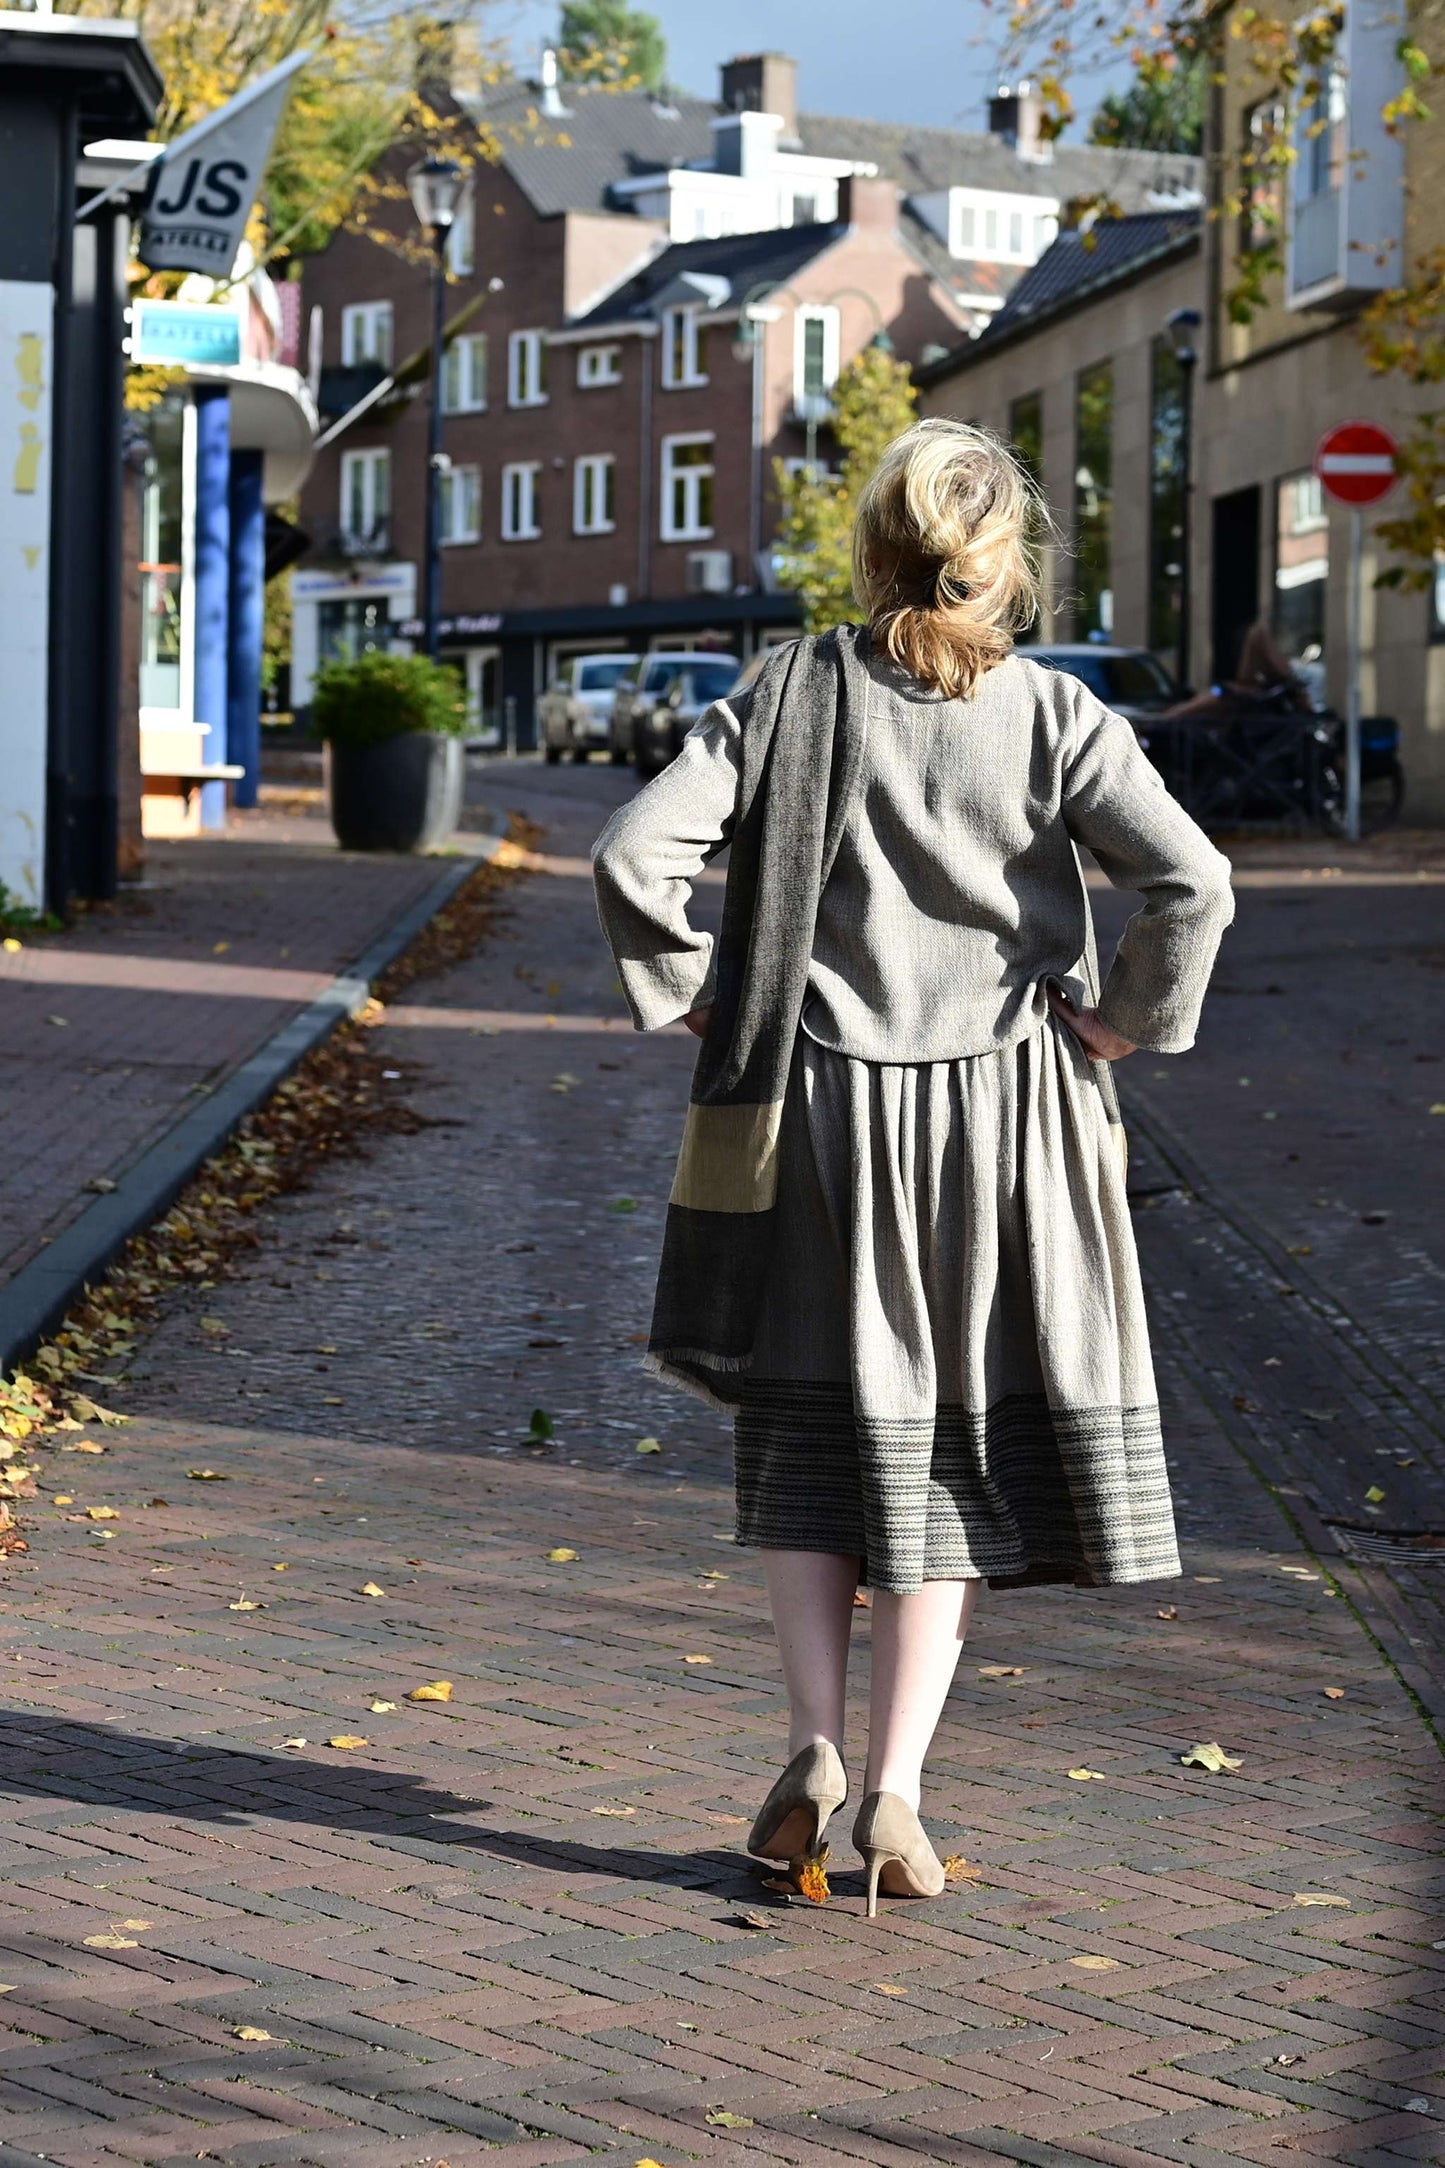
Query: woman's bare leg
{"points": [[811, 1594], [916, 1644]]}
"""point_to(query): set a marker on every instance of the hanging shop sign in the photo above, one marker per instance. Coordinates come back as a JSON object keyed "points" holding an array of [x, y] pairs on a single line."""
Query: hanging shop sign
{"points": [[210, 177]]}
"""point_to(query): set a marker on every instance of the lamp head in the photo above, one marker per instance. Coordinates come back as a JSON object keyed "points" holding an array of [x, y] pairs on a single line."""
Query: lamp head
{"points": [[437, 186], [1181, 329]]}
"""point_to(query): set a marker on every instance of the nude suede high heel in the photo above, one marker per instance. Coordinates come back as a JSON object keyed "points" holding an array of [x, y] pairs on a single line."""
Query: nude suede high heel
{"points": [[896, 1853], [792, 1818]]}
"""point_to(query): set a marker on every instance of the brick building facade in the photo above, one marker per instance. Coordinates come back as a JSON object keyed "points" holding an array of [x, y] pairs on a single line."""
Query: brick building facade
{"points": [[648, 305]]}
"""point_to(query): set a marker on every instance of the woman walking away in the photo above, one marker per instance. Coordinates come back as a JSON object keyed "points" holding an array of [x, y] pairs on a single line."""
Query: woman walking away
{"points": [[897, 1243]]}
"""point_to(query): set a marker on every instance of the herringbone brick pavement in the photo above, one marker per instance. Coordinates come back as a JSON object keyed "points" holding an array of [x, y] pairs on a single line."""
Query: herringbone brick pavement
{"points": [[513, 1926]]}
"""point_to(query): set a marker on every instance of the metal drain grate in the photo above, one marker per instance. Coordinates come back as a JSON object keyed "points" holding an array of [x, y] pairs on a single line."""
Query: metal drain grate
{"points": [[1391, 1546]]}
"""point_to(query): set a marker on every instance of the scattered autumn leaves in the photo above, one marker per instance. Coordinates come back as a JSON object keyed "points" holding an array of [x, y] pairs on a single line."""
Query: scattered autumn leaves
{"points": [[332, 1106]]}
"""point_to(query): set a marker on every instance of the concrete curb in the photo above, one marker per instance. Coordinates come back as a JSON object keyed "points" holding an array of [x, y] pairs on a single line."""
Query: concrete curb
{"points": [[41, 1292]]}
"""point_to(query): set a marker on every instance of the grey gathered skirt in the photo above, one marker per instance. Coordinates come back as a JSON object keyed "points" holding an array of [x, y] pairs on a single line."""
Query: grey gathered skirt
{"points": [[951, 1377]]}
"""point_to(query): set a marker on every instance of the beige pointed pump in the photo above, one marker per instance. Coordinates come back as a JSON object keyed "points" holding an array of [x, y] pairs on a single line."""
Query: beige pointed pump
{"points": [[796, 1811], [896, 1854]]}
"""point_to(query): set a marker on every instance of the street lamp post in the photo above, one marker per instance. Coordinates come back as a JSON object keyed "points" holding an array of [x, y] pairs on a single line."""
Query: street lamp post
{"points": [[1181, 328], [436, 186]]}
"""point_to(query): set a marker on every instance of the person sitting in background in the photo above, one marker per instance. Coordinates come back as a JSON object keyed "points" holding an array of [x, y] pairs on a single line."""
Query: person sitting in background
{"points": [[1262, 676]]}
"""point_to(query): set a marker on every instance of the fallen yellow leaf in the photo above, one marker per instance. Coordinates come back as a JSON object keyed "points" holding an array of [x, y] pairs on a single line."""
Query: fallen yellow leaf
{"points": [[251, 2032], [101, 1513], [1374, 1495], [369, 1588], [293, 1742], [724, 2119], [811, 1877], [1210, 1755], [957, 1869], [437, 1690], [1086, 1776], [648, 1445], [381, 1708], [697, 1659], [110, 1942], [617, 1813], [347, 1741], [63, 1498], [12, 946], [886, 1987], [1000, 1671], [217, 1327], [282, 1568], [136, 1927], [1320, 1897], [1334, 1693], [245, 1604], [1095, 1964], [84, 1445], [207, 1475], [561, 1556], [711, 1573]]}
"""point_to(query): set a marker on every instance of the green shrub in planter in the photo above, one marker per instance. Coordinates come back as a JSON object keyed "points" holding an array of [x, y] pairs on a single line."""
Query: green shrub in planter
{"points": [[393, 726], [380, 695]]}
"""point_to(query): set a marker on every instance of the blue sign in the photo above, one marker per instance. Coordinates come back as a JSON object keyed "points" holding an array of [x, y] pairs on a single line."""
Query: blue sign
{"points": [[175, 333]]}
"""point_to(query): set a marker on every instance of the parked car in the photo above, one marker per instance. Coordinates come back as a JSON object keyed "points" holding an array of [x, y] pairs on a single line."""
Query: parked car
{"points": [[1127, 679], [651, 717], [575, 713]]}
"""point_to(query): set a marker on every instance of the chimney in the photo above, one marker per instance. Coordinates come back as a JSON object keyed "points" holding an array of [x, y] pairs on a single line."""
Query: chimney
{"points": [[1016, 117], [868, 199], [552, 104], [434, 58], [763, 83]]}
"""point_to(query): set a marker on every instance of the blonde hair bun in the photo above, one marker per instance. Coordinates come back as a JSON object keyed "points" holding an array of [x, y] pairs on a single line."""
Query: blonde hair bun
{"points": [[945, 552]]}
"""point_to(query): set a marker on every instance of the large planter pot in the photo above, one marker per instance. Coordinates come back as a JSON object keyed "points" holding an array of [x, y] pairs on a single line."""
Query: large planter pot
{"points": [[403, 794]]}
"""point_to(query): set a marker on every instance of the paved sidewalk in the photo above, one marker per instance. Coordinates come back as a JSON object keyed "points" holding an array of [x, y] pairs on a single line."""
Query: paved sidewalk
{"points": [[511, 1927], [108, 1032]]}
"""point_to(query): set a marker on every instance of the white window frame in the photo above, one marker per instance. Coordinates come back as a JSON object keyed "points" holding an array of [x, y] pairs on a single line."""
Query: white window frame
{"points": [[521, 506], [598, 365], [594, 488], [997, 226], [828, 315], [461, 506], [681, 344], [366, 334], [527, 369], [688, 530], [373, 465], [461, 248], [464, 374]]}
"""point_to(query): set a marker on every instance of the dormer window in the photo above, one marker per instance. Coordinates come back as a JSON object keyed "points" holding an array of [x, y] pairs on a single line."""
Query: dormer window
{"points": [[992, 228], [684, 349]]}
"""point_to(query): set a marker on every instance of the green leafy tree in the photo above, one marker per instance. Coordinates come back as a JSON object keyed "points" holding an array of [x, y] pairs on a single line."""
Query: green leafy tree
{"points": [[873, 402], [1163, 108], [607, 41]]}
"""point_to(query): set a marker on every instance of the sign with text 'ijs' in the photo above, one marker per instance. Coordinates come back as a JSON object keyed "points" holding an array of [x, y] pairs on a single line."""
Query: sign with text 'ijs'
{"points": [[27, 312], [177, 332], [210, 177]]}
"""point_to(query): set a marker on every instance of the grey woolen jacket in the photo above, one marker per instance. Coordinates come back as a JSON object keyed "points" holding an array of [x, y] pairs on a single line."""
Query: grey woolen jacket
{"points": [[777, 779]]}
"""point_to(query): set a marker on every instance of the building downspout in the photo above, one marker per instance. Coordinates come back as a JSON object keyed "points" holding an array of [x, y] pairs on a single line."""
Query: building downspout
{"points": [[644, 536]]}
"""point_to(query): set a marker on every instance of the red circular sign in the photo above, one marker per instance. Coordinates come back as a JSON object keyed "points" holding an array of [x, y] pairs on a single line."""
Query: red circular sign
{"points": [[1356, 462]]}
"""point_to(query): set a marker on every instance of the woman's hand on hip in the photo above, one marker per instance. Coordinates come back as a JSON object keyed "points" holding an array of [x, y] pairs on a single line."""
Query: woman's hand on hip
{"points": [[1089, 1028], [697, 1020]]}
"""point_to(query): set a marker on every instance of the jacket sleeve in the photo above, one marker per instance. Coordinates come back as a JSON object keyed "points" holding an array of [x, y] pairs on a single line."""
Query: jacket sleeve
{"points": [[1116, 805], [644, 864]]}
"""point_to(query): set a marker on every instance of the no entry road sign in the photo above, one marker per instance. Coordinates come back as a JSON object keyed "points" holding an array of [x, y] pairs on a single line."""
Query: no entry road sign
{"points": [[1356, 462]]}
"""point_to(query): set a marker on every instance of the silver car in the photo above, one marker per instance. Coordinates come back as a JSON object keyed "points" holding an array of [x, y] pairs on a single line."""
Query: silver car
{"points": [[575, 713]]}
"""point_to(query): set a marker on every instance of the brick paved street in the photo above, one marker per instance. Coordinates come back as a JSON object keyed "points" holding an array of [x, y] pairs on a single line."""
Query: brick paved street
{"points": [[511, 1927], [108, 1031]]}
